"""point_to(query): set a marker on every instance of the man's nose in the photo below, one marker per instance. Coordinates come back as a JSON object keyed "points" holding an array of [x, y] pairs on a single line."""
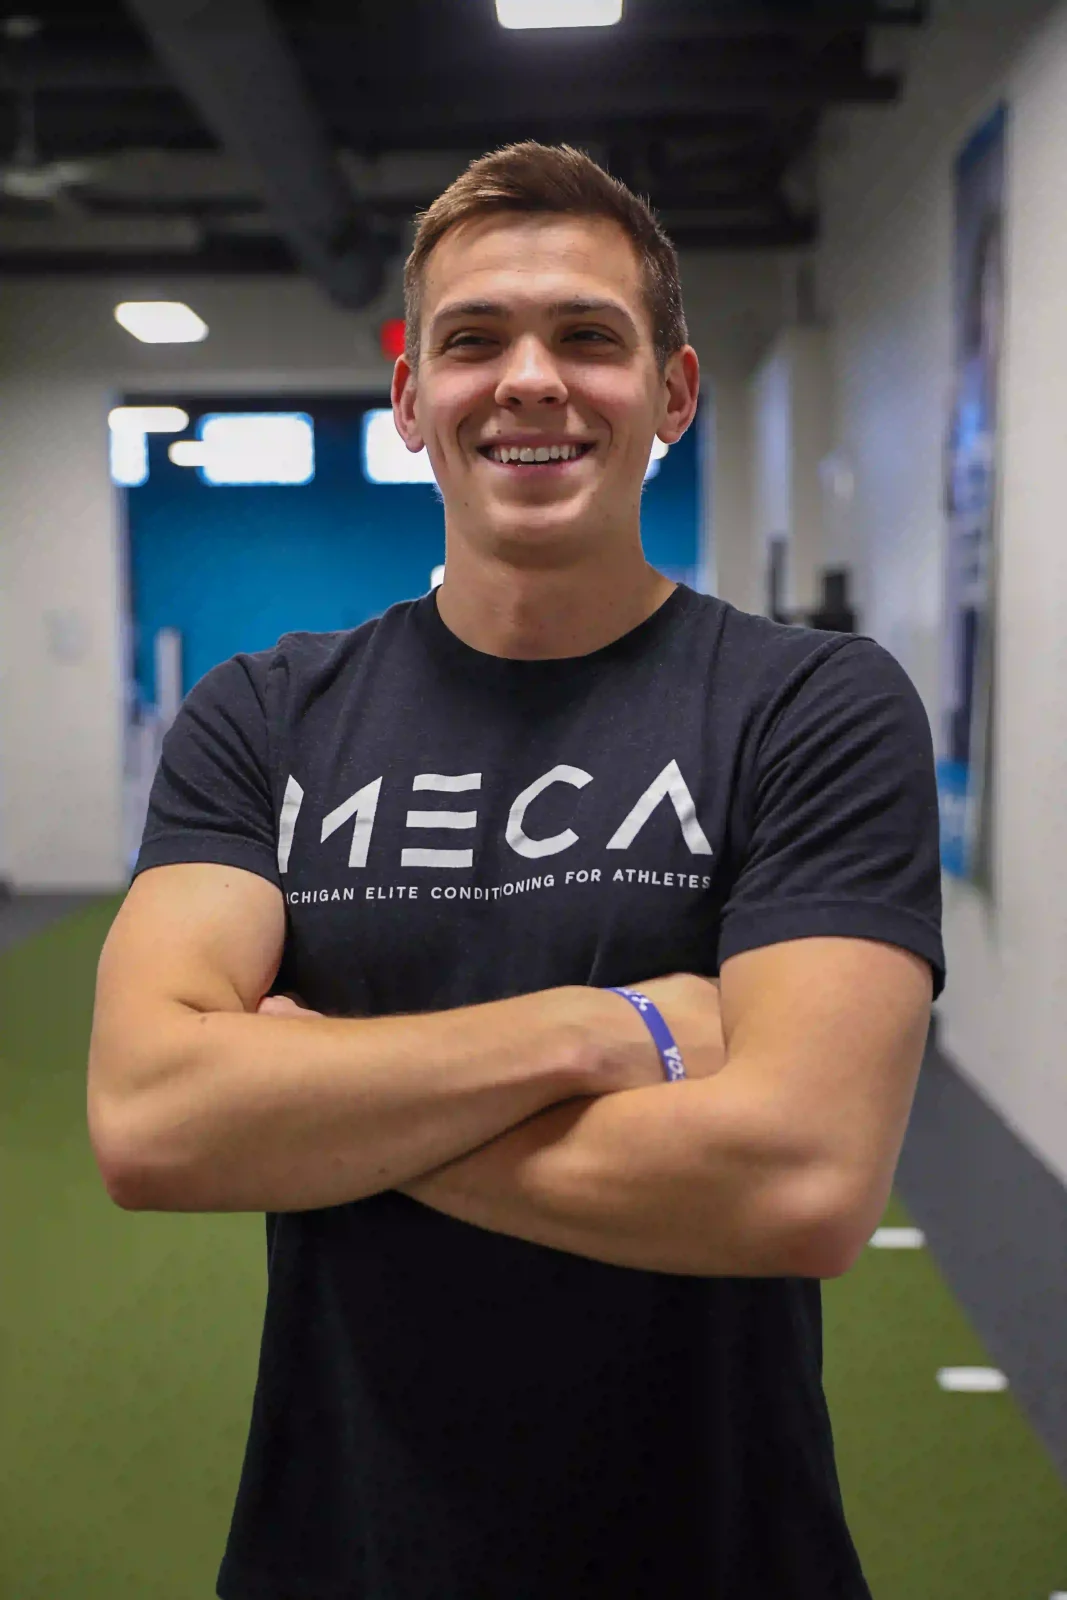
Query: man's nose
{"points": [[530, 376]]}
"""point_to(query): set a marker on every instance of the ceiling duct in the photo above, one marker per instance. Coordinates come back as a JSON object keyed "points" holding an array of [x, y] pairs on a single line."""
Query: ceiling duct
{"points": [[232, 61]]}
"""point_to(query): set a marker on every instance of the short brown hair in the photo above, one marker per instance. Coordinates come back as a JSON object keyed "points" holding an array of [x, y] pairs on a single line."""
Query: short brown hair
{"points": [[531, 177]]}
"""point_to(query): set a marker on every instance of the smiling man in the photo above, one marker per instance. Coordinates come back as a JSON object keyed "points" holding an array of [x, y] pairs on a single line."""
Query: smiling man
{"points": [[551, 960]]}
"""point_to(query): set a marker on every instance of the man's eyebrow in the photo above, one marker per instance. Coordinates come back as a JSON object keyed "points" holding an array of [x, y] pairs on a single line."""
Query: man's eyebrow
{"points": [[469, 308], [581, 307]]}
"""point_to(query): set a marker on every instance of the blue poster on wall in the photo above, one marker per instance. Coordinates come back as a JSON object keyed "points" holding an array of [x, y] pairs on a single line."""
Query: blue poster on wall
{"points": [[971, 460]]}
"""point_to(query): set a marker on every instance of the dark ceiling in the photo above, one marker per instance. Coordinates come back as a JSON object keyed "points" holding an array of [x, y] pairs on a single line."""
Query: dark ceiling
{"points": [[285, 135]]}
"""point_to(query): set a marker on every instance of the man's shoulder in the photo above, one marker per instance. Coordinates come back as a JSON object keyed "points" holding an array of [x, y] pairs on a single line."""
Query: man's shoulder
{"points": [[301, 655], [772, 657], [761, 668], [301, 647]]}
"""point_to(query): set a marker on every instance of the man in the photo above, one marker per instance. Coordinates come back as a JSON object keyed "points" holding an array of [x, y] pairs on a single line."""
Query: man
{"points": [[542, 1323]]}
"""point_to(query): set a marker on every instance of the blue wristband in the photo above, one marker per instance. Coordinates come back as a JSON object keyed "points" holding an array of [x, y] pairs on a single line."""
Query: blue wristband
{"points": [[669, 1053]]}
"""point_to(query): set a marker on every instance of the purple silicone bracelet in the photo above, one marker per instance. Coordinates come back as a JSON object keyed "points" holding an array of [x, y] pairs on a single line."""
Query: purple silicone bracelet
{"points": [[669, 1053]]}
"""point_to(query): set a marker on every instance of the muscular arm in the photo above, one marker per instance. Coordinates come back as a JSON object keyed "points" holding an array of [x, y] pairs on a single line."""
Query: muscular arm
{"points": [[678, 1177], [782, 1164], [693, 1177], [195, 1103]]}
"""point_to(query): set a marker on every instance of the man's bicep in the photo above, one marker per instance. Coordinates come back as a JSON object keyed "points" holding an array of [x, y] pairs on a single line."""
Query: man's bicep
{"points": [[212, 935], [191, 937], [834, 1030]]}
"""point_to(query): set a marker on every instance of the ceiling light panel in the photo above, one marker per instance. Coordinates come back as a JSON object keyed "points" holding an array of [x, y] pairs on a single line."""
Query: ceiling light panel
{"points": [[558, 13], [161, 321], [148, 419], [254, 447], [386, 458]]}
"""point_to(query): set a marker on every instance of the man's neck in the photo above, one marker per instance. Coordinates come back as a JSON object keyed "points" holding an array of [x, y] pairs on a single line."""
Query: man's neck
{"points": [[548, 613]]}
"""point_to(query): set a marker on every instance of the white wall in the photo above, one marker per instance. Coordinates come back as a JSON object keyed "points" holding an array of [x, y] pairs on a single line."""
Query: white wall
{"points": [[63, 362], [885, 283], [789, 421]]}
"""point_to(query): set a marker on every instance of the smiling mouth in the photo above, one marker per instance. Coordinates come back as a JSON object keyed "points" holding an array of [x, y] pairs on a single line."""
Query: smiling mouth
{"points": [[533, 455]]}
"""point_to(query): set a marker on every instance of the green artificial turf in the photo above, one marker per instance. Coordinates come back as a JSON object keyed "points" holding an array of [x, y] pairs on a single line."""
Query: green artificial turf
{"points": [[949, 1496], [129, 1341]]}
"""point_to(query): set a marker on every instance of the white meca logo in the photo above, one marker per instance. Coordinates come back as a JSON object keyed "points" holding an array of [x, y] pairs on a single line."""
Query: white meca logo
{"points": [[363, 806]]}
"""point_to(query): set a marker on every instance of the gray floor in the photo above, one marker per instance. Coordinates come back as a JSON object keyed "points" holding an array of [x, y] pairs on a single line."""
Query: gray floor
{"points": [[22, 915], [994, 1217], [995, 1220]]}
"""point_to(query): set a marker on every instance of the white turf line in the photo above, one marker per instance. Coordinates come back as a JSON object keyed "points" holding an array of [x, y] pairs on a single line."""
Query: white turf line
{"points": [[961, 1380], [967, 1380], [972, 1380], [898, 1239]]}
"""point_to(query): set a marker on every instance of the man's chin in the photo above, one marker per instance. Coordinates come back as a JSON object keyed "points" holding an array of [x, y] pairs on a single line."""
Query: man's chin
{"points": [[517, 530], [538, 521], [535, 505]]}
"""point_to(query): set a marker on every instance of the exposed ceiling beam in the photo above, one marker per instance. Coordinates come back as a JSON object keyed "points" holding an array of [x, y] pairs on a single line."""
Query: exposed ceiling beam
{"points": [[231, 59], [218, 256], [338, 64], [711, 200], [715, 19], [262, 256], [447, 110], [793, 233], [51, 70]]}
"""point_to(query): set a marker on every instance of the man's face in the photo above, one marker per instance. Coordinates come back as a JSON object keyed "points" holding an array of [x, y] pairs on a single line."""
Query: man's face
{"points": [[536, 337]]}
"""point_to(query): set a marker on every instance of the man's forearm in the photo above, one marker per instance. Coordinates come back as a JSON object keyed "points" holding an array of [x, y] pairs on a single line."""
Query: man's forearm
{"points": [[265, 1113], [677, 1177]]}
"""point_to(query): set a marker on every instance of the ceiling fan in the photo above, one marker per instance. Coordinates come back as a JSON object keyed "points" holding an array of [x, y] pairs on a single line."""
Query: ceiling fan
{"points": [[27, 176]]}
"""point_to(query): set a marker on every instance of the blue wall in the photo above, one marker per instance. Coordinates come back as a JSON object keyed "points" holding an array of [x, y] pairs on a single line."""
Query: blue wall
{"points": [[235, 568]]}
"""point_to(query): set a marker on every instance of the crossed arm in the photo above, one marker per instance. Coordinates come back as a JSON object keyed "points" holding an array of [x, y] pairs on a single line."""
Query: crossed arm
{"points": [[780, 1165]]}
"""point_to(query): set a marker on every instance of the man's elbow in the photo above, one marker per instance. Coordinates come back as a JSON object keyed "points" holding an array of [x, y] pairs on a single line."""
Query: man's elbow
{"points": [[123, 1186], [821, 1238], [832, 1246], [126, 1180]]}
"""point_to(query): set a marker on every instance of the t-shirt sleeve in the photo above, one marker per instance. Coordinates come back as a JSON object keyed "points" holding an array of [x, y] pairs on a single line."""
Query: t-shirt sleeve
{"points": [[211, 796], [844, 835]]}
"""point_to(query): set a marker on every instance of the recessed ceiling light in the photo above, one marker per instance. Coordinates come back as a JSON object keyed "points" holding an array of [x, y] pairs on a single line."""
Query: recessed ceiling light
{"points": [[161, 321], [149, 419], [253, 447], [558, 13], [187, 452], [386, 458]]}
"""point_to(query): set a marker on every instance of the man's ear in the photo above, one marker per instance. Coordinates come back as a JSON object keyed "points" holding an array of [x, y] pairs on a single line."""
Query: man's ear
{"points": [[403, 397], [681, 381]]}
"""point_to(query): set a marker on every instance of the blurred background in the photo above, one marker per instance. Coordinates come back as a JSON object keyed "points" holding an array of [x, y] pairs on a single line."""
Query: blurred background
{"points": [[204, 211]]}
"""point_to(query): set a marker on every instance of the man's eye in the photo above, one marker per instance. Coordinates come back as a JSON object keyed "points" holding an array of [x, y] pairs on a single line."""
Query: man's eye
{"points": [[469, 339], [589, 335]]}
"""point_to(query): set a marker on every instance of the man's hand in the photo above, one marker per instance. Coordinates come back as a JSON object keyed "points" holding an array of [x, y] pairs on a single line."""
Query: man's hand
{"points": [[284, 1005], [689, 1005]]}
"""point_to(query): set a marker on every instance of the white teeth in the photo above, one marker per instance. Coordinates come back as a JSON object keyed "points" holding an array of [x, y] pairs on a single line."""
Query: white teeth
{"points": [[528, 453]]}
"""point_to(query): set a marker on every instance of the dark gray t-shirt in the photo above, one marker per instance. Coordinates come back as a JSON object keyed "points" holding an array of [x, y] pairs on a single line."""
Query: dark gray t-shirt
{"points": [[447, 1413]]}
